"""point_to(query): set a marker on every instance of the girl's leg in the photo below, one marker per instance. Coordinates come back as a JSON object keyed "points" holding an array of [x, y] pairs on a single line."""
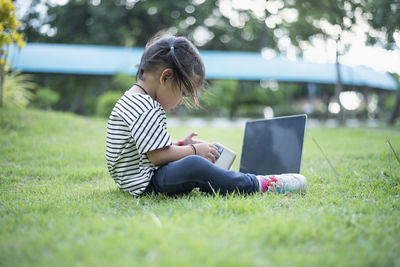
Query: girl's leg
{"points": [[182, 176]]}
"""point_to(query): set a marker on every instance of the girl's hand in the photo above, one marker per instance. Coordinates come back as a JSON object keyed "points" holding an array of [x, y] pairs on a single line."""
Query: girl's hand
{"points": [[188, 140], [207, 151]]}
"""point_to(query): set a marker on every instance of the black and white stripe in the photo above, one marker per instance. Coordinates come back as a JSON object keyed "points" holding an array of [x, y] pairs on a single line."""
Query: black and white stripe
{"points": [[136, 126]]}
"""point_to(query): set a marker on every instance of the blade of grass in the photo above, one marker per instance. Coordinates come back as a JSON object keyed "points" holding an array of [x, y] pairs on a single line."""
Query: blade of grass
{"points": [[332, 167], [350, 217], [350, 214], [389, 158], [212, 188], [394, 152]]}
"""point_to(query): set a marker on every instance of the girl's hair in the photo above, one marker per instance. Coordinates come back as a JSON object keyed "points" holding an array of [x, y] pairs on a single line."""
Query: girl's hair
{"points": [[179, 54]]}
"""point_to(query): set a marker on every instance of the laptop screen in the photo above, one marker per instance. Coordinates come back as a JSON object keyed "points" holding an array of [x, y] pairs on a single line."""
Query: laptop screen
{"points": [[273, 146]]}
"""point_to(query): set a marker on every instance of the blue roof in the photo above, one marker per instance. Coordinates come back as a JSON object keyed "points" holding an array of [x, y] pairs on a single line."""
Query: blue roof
{"points": [[109, 60]]}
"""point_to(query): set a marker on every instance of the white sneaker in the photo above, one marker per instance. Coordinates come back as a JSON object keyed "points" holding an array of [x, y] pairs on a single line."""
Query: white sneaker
{"points": [[283, 183]]}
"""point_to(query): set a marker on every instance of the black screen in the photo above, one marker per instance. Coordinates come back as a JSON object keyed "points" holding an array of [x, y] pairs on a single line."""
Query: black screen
{"points": [[273, 146]]}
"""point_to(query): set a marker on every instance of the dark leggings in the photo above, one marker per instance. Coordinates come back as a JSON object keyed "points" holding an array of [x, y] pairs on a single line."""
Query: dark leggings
{"points": [[182, 176]]}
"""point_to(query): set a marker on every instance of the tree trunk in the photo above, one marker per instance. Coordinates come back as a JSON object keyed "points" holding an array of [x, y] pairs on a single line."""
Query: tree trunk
{"points": [[312, 95], [339, 88], [263, 42], [395, 110], [326, 98]]}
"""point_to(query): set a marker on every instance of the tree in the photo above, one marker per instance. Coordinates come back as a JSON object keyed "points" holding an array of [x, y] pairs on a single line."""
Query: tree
{"points": [[8, 35], [319, 19], [331, 20], [383, 16], [212, 25], [209, 24]]}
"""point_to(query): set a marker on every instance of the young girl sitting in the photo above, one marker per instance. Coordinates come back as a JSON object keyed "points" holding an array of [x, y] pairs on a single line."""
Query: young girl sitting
{"points": [[141, 156]]}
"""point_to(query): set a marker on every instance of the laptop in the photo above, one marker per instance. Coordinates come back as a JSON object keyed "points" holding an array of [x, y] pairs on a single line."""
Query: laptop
{"points": [[273, 146]]}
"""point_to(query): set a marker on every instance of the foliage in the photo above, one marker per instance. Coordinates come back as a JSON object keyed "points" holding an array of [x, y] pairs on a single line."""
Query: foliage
{"points": [[329, 19], [219, 96], [226, 24], [60, 207], [9, 34], [106, 102], [9, 26], [123, 82], [248, 98], [384, 18], [132, 23], [46, 98], [18, 90], [389, 102], [78, 93], [319, 18], [396, 101]]}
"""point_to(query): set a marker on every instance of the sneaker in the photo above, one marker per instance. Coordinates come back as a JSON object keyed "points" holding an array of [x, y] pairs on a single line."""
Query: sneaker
{"points": [[283, 183]]}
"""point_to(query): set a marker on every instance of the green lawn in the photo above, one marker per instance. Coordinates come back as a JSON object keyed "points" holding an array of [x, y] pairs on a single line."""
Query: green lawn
{"points": [[59, 206]]}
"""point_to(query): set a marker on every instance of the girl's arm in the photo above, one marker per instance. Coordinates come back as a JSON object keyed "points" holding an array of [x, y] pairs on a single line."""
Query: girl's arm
{"points": [[171, 153]]}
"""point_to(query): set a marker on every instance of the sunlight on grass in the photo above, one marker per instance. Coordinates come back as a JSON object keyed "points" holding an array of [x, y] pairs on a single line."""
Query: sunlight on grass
{"points": [[59, 206]]}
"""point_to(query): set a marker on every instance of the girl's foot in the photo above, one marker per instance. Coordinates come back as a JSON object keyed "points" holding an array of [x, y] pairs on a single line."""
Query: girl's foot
{"points": [[283, 183]]}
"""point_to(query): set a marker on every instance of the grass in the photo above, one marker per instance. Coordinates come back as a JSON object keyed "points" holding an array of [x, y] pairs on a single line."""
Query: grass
{"points": [[59, 206]]}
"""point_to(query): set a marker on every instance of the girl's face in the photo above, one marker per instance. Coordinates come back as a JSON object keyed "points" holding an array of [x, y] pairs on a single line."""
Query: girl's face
{"points": [[170, 96]]}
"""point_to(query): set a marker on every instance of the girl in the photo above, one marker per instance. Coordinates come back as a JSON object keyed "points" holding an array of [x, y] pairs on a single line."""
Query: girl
{"points": [[141, 156]]}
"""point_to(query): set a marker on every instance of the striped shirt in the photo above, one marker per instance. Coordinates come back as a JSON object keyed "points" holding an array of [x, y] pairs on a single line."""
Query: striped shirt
{"points": [[137, 125]]}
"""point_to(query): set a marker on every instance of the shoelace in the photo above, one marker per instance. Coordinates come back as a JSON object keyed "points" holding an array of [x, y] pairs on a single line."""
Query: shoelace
{"points": [[274, 186], [272, 181]]}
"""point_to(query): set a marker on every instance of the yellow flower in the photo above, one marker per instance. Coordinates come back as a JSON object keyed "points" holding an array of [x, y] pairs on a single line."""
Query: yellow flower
{"points": [[6, 9], [7, 39], [9, 26], [20, 42]]}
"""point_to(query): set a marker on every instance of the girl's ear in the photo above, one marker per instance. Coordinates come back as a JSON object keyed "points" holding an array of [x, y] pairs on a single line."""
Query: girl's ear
{"points": [[166, 75]]}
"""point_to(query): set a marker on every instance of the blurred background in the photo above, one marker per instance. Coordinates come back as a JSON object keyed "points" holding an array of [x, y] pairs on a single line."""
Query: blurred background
{"points": [[330, 59]]}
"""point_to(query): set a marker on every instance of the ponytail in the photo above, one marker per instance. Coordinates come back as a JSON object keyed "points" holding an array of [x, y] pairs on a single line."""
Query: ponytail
{"points": [[179, 54]]}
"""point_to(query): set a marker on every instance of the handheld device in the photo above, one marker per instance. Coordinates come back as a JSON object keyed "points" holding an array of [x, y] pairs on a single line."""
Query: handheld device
{"points": [[227, 157]]}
